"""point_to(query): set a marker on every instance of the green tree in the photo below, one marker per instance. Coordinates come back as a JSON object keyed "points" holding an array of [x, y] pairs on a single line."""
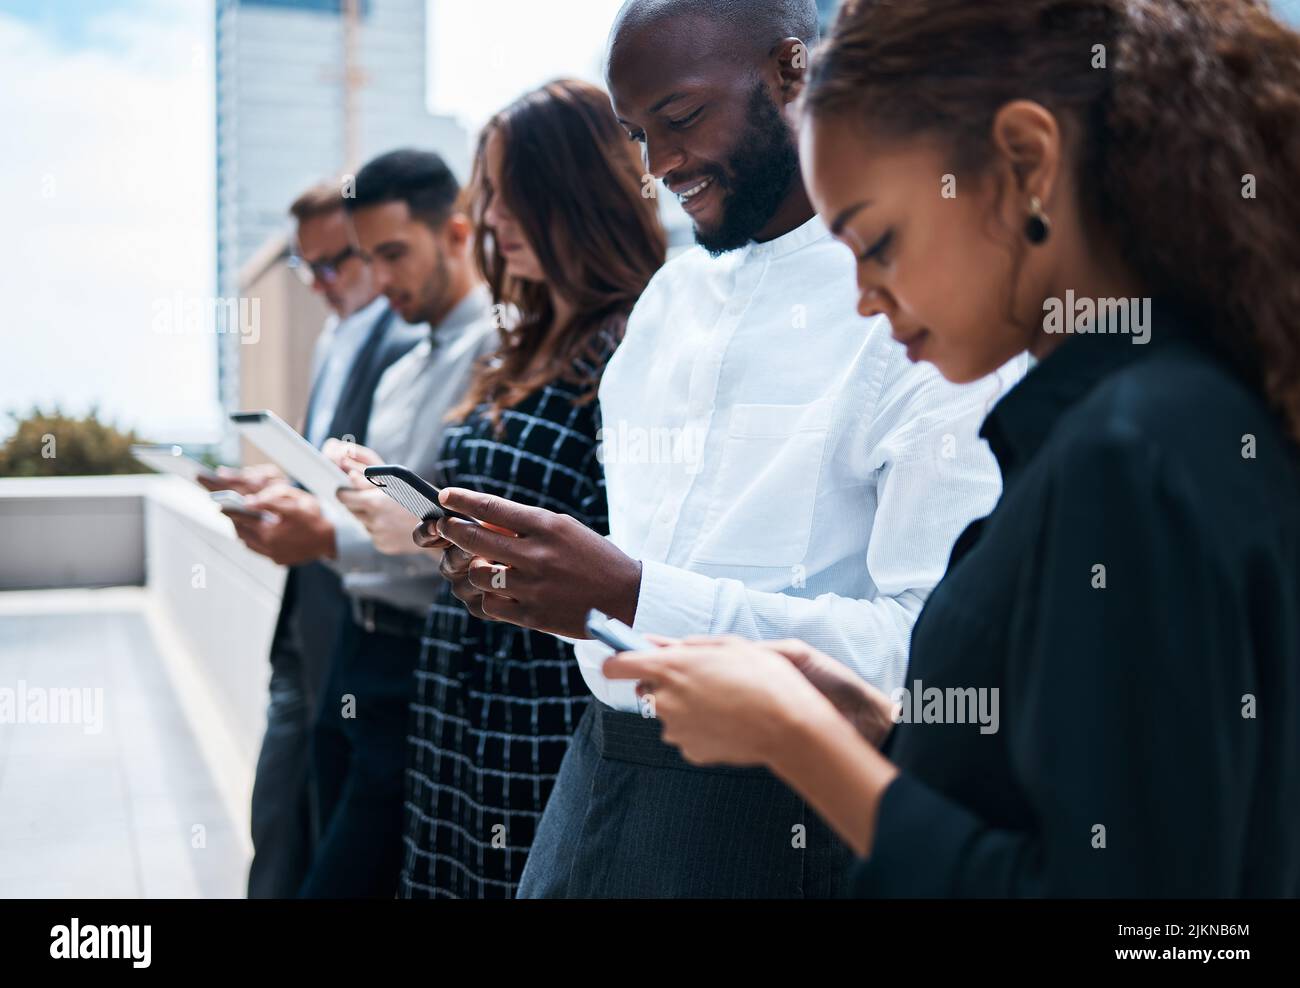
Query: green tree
{"points": [[52, 444]]}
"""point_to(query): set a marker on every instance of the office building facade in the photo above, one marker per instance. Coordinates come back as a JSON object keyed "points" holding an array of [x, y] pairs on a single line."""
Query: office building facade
{"points": [[305, 92]]}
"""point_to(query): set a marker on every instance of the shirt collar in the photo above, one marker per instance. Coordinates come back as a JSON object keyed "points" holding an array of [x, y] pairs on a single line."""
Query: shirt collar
{"points": [[1020, 423], [465, 313], [806, 233], [367, 315]]}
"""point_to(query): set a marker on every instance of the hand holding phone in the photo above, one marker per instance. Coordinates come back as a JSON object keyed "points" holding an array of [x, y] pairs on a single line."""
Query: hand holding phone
{"points": [[411, 491], [233, 503], [417, 495], [351, 457]]}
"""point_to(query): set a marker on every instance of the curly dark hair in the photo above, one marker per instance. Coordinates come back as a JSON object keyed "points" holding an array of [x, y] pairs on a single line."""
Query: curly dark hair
{"points": [[1198, 101]]}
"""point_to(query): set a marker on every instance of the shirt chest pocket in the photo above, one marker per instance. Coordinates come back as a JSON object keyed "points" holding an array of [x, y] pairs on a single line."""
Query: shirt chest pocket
{"points": [[761, 509]]}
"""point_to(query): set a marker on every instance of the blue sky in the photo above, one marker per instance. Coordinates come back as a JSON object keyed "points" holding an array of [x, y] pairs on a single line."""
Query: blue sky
{"points": [[108, 168], [108, 178], [65, 20], [68, 18], [108, 173]]}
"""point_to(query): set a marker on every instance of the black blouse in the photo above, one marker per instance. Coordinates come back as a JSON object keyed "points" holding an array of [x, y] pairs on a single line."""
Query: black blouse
{"points": [[1134, 601]]}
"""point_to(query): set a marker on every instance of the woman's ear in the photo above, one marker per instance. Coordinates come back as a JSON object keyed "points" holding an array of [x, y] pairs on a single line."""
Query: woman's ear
{"points": [[1027, 137]]}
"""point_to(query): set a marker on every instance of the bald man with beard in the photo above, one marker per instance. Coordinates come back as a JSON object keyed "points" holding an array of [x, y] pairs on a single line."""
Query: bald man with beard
{"points": [[826, 479]]}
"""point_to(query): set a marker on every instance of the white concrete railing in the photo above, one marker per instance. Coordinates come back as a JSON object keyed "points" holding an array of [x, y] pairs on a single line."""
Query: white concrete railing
{"points": [[63, 532], [218, 601], [221, 599]]}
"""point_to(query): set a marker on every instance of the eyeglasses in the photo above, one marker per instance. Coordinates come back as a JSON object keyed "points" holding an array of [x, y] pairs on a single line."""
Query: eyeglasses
{"points": [[326, 271]]}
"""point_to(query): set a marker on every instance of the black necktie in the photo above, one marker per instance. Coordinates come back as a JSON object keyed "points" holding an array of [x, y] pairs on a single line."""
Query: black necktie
{"points": [[380, 350]]}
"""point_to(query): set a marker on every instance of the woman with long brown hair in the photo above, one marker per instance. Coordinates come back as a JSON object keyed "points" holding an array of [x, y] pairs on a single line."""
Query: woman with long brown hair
{"points": [[1104, 691], [567, 242]]}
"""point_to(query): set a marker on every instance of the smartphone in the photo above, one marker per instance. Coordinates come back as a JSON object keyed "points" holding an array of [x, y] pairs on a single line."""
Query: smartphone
{"points": [[296, 456], [171, 459], [232, 503], [411, 491], [615, 633]]}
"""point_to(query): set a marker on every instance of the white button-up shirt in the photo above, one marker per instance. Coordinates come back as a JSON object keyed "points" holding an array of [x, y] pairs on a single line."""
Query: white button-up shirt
{"points": [[778, 465]]}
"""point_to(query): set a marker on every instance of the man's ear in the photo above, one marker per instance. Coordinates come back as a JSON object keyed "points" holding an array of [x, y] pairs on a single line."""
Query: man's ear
{"points": [[792, 67], [458, 230]]}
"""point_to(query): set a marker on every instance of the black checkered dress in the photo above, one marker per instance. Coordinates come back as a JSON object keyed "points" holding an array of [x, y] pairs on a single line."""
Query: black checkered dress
{"points": [[495, 704]]}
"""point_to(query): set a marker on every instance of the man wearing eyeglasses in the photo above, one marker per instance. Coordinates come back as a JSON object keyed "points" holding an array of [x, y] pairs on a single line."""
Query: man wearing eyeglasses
{"points": [[360, 340], [413, 244]]}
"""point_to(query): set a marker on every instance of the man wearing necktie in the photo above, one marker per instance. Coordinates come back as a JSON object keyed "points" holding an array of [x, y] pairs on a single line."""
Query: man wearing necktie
{"points": [[402, 221], [360, 339], [775, 466]]}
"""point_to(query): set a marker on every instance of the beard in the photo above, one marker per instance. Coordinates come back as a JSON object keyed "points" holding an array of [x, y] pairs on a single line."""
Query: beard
{"points": [[432, 305], [761, 170]]}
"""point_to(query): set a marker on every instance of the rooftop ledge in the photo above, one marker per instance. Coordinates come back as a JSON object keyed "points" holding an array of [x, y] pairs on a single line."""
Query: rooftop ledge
{"points": [[89, 552]]}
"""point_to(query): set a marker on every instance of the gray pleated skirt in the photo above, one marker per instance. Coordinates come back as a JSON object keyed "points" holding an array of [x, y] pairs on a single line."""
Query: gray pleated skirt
{"points": [[630, 818]]}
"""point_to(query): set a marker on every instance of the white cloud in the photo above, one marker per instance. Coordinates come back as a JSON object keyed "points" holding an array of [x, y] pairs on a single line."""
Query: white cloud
{"points": [[107, 175], [485, 54]]}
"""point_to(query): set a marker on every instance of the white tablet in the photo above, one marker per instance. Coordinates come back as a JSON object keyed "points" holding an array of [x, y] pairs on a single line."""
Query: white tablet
{"points": [[170, 459], [295, 455]]}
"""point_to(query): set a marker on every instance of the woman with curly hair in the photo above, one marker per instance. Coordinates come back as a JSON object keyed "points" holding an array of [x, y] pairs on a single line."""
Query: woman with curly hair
{"points": [[1104, 691]]}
